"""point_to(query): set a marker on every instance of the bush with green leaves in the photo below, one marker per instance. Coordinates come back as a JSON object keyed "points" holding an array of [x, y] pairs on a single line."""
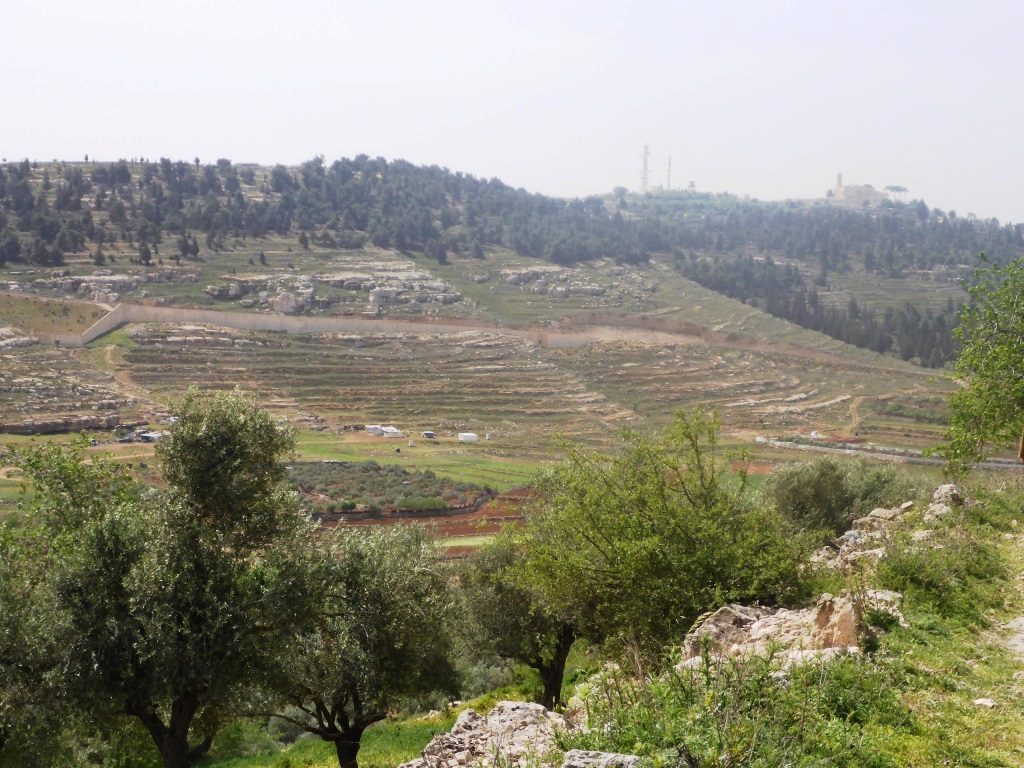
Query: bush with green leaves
{"points": [[987, 411], [507, 618], [958, 571], [638, 544], [828, 495]]}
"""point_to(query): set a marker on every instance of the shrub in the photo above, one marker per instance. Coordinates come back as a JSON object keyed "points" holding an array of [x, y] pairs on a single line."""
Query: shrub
{"points": [[639, 544], [957, 574], [743, 712], [825, 494], [243, 738]]}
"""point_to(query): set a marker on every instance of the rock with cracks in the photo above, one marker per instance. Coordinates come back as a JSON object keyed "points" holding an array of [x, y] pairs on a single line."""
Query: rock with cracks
{"points": [[515, 734], [831, 627], [582, 758]]}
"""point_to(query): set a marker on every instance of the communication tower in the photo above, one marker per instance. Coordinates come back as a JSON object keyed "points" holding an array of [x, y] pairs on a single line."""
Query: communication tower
{"points": [[644, 171], [668, 176]]}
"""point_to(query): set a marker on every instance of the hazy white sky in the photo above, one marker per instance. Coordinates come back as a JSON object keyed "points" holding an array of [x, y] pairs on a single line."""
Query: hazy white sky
{"points": [[764, 98]]}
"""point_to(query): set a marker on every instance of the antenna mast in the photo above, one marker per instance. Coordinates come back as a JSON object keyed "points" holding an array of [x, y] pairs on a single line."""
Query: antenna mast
{"points": [[668, 178], [644, 172]]}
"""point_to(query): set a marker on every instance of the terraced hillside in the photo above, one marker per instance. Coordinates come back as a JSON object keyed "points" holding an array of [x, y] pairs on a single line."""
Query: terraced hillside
{"points": [[473, 381], [766, 391], [524, 394], [49, 389]]}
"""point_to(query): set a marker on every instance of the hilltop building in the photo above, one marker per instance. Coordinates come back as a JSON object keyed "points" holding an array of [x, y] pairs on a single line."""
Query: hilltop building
{"points": [[857, 194]]}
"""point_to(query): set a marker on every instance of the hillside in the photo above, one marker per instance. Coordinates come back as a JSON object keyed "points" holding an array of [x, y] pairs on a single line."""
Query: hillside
{"points": [[663, 302], [884, 278]]}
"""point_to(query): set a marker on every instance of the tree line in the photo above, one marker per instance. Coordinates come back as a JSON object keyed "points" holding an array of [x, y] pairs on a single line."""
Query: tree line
{"points": [[783, 291], [395, 204]]}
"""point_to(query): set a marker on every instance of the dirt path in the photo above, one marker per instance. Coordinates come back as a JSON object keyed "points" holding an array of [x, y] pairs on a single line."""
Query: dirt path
{"points": [[1015, 640], [854, 425], [855, 404], [123, 376]]}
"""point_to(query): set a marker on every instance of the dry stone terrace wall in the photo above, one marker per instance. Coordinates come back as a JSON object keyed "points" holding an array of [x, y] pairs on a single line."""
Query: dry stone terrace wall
{"points": [[466, 381], [46, 390]]}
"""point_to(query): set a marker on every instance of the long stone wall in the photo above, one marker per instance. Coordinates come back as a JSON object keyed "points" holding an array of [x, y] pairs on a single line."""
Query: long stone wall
{"points": [[123, 314]]}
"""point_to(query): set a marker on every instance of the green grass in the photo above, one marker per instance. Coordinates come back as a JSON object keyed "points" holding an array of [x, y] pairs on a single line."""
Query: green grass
{"points": [[118, 337], [455, 460], [466, 541], [907, 701], [384, 745], [39, 315], [461, 462]]}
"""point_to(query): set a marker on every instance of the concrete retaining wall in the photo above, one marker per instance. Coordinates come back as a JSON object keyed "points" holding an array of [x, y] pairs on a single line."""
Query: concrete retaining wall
{"points": [[139, 313]]}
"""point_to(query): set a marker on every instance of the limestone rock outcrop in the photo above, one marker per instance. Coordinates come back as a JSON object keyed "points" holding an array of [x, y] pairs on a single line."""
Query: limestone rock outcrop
{"points": [[944, 500], [830, 627], [12, 337], [54, 425], [582, 758], [513, 734]]}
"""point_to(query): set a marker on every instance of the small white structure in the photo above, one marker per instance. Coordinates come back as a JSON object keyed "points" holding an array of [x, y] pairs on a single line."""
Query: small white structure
{"points": [[374, 429], [391, 432], [428, 434], [468, 437]]}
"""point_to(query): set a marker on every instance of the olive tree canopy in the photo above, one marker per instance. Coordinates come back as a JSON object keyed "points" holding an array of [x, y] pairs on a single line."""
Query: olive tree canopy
{"points": [[988, 408], [168, 606]]}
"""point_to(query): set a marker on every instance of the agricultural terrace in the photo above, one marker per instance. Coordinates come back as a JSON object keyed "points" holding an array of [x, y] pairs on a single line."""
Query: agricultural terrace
{"points": [[473, 381], [525, 395], [766, 391], [43, 383]]}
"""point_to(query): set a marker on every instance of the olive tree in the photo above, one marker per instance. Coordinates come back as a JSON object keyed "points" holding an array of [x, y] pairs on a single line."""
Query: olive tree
{"points": [[382, 636], [636, 545], [168, 606], [506, 617], [988, 408]]}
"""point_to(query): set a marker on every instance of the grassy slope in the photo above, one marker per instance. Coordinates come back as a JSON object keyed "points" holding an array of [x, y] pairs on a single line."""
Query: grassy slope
{"points": [[31, 313], [908, 703], [472, 464], [385, 745]]}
